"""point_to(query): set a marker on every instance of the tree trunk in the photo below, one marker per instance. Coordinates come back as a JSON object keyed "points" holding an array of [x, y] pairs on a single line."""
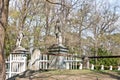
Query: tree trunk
{"points": [[2, 61], [95, 43], [3, 24]]}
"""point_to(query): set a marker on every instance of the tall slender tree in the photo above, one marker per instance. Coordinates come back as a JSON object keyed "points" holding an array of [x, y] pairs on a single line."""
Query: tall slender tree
{"points": [[4, 4]]}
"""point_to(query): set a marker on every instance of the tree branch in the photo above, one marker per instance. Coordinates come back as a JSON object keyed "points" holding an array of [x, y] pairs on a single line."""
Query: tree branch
{"points": [[57, 3]]}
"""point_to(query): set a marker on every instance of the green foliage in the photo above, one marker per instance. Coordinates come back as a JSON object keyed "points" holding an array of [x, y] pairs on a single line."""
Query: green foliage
{"points": [[10, 40], [105, 61]]}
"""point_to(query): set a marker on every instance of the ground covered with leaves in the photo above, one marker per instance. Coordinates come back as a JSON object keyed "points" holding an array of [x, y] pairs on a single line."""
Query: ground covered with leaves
{"points": [[68, 75]]}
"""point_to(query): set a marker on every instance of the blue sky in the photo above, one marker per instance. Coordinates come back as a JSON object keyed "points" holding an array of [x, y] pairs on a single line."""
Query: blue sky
{"points": [[114, 1]]}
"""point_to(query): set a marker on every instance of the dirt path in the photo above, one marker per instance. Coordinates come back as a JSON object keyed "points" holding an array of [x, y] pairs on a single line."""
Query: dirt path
{"points": [[69, 75]]}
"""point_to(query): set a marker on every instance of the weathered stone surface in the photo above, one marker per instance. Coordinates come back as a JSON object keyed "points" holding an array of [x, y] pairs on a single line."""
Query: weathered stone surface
{"points": [[35, 57]]}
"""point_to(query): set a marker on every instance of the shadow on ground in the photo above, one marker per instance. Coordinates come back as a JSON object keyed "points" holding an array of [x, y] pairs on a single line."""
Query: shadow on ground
{"points": [[67, 75], [28, 73], [111, 74]]}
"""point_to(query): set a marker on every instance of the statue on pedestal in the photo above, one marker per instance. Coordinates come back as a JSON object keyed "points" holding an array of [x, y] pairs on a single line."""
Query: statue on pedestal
{"points": [[58, 62], [58, 32], [19, 39]]}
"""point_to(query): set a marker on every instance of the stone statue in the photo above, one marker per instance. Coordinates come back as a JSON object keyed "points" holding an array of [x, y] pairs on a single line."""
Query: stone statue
{"points": [[19, 39], [58, 32]]}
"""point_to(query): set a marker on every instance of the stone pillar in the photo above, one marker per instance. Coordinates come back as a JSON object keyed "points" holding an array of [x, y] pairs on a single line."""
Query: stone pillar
{"points": [[102, 67], [92, 67], [110, 68], [81, 65]]}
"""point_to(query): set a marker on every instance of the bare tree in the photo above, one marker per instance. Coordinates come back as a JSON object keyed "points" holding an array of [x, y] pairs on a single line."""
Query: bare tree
{"points": [[102, 22]]}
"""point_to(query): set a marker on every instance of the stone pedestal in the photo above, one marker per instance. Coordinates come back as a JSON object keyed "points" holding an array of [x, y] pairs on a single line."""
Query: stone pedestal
{"points": [[57, 61]]}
